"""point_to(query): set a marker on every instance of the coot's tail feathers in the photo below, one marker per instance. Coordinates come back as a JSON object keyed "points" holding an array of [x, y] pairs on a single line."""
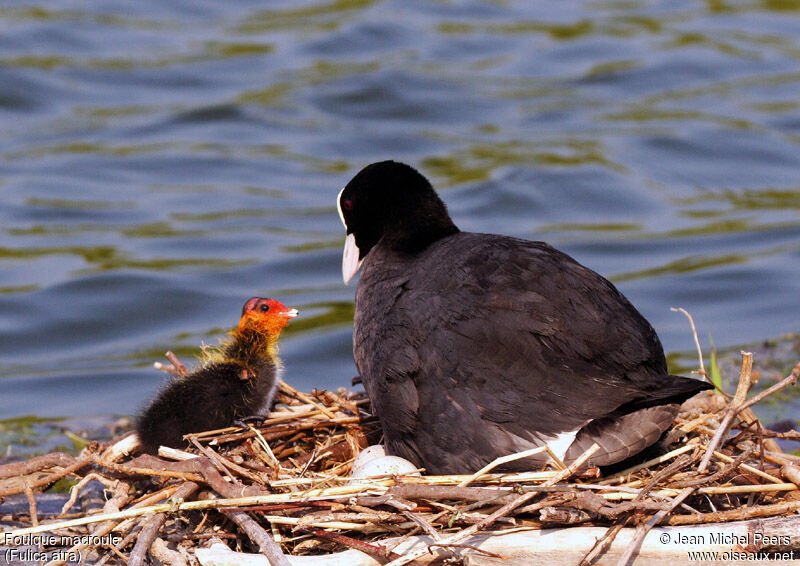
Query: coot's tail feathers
{"points": [[637, 424], [670, 389], [620, 437]]}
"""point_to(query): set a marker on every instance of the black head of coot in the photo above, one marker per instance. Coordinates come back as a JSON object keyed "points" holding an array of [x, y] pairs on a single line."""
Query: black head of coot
{"points": [[393, 202]]}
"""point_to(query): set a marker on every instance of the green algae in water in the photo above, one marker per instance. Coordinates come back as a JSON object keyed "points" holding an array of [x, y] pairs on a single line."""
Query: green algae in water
{"points": [[27, 430]]}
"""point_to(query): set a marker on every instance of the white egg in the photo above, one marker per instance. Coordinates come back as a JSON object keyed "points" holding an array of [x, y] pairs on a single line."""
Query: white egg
{"points": [[373, 461], [369, 453]]}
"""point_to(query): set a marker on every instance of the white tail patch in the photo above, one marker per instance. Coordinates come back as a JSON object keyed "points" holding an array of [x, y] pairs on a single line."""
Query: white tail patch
{"points": [[561, 443]]}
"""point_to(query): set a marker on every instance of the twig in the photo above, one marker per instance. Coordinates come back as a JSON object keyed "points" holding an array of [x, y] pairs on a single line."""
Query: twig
{"points": [[150, 531], [119, 498], [745, 382], [716, 475], [133, 470], [738, 514], [603, 543], [212, 457], [76, 464], [642, 530], [790, 379], [73, 493], [423, 491], [258, 535], [608, 538], [262, 442], [424, 525], [31, 504], [375, 551], [227, 464], [674, 467], [36, 464], [736, 408], [180, 369], [469, 547], [161, 551], [123, 447], [174, 454], [145, 539]]}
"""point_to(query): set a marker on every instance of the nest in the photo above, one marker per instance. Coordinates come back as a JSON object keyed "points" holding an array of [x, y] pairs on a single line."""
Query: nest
{"points": [[282, 489]]}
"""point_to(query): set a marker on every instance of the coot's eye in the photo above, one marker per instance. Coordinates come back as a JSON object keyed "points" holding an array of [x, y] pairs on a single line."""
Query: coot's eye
{"points": [[347, 204], [264, 307]]}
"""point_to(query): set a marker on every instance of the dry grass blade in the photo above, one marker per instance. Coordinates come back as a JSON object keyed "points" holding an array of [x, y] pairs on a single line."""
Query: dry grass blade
{"points": [[503, 460]]}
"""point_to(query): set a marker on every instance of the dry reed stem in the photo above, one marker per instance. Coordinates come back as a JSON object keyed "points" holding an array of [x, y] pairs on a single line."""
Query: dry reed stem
{"points": [[790, 379], [751, 469], [504, 460], [174, 454], [650, 463], [791, 473], [286, 388], [262, 443]]}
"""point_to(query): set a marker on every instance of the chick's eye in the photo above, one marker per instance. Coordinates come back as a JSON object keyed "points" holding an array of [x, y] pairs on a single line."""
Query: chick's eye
{"points": [[264, 308], [347, 204]]}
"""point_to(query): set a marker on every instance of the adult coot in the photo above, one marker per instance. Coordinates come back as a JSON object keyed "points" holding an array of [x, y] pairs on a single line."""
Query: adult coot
{"points": [[474, 346], [237, 380]]}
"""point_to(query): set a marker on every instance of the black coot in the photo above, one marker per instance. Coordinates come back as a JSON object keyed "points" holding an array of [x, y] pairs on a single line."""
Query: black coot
{"points": [[238, 380], [474, 346]]}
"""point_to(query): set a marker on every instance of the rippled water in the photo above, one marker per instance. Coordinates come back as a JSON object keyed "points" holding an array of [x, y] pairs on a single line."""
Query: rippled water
{"points": [[162, 162]]}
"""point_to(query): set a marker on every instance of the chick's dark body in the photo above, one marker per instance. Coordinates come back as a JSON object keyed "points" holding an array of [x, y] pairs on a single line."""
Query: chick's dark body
{"points": [[239, 382], [482, 345], [212, 397]]}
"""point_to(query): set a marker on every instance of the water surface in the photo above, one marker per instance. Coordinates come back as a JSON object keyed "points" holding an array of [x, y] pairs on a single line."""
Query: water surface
{"points": [[160, 163]]}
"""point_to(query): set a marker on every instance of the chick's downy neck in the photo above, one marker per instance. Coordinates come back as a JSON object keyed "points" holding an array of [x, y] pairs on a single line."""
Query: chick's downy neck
{"points": [[255, 347]]}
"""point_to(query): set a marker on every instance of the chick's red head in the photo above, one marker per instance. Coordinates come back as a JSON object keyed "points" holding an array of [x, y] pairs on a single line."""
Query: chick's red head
{"points": [[267, 316]]}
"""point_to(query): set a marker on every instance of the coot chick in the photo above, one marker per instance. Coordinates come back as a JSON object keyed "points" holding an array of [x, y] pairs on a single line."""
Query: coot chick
{"points": [[474, 346], [237, 380]]}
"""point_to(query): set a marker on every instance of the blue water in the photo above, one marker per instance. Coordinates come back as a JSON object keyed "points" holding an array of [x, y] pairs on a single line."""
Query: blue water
{"points": [[160, 163]]}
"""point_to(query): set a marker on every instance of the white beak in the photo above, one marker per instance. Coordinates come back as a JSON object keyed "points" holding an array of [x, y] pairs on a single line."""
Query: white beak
{"points": [[291, 313], [350, 261]]}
